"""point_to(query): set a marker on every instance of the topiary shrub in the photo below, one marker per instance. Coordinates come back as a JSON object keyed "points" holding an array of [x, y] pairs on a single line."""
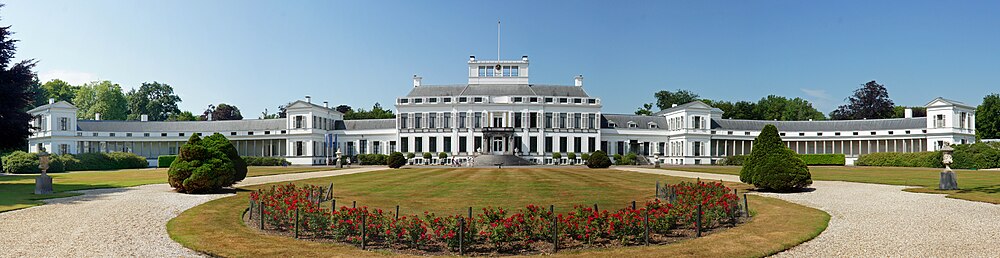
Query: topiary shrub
{"points": [[773, 166], [630, 158], [20, 162], [123, 160], [556, 157], [396, 160], [206, 165], [163, 161], [598, 159], [618, 159]]}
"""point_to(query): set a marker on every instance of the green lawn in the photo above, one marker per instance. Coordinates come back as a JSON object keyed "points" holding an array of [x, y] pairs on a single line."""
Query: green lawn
{"points": [[215, 227], [976, 185], [17, 191]]}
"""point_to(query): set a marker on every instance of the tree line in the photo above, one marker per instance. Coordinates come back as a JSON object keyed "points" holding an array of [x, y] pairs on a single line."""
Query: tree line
{"points": [[870, 101]]}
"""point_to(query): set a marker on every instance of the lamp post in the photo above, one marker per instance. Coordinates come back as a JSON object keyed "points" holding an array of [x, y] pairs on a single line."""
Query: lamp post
{"points": [[43, 183], [948, 180]]}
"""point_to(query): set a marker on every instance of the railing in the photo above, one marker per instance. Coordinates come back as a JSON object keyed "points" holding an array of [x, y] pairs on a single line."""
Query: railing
{"points": [[498, 129]]}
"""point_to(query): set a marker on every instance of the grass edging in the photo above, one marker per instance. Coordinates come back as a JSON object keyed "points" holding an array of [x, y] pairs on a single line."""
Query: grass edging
{"points": [[216, 228]]}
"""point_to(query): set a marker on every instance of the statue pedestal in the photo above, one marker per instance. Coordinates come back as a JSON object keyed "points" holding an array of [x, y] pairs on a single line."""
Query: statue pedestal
{"points": [[43, 184], [340, 164], [948, 181]]}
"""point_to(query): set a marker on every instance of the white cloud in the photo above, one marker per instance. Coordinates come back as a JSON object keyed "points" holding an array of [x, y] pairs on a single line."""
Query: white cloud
{"points": [[72, 77], [820, 98], [817, 94]]}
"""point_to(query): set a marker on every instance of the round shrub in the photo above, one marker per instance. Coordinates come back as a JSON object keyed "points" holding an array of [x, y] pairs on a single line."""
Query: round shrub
{"points": [[206, 165], [773, 166], [598, 159], [163, 161], [396, 160], [20, 162]]}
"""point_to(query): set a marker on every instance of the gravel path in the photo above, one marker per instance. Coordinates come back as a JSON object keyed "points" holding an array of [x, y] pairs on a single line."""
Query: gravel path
{"points": [[872, 220], [114, 222]]}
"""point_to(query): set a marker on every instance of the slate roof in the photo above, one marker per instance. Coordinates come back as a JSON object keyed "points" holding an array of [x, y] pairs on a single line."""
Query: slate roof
{"points": [[365, 124], [621, 121], [498, 90], [826, 125], [181, 126]]}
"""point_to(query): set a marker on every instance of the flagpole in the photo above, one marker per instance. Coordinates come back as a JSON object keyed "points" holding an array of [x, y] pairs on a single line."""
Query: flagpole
{"points": [[498, 40]]}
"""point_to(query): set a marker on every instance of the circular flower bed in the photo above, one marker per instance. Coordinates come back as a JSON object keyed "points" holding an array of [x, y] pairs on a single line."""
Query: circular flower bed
{"points": [[297, 211]]}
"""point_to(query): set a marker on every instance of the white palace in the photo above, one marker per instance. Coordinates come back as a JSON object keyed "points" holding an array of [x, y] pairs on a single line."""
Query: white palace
{"points": [[499, 112]]}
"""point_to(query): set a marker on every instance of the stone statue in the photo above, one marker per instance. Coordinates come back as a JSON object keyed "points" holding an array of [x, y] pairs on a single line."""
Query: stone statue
{"points": [[948, 180]]}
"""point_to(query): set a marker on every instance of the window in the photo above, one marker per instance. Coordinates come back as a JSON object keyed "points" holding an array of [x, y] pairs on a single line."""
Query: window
{"points": [[418, 101], [562, 120], [591, 141], [632, 125], [855, 133], [447, 144], [64, 148], [576, 120], [819, 134], [890, 132], [404, 144], [298, 122], [577, 101], [782, 134], [533, 144], [432, 100], [591, 101], [418, 144], [298, 148], [402, 120], [836, 134], [518, 99], [446, 100], [563, 145], [128, 134], [490, 71], [746, 133], [653, 126], [363, 144], [548, 120], [232, 133], [404, 101], [163, 134], [938, 121], [907, 131], [111, 134], [63, 123], [376, 147], [477, 99], [612, 124], [548, 144], [433, 144], [145, 134], [533, 100], [548, 100], [446, 122], [249, 132], [461, 119], [517, 119], [577, 144], [178, 134], [462, 144], [802, 134], [432, 120], [873, 133], [533, 120], [416, 120], [482, 71], [476, 122], [463, 99], [563, 100]]}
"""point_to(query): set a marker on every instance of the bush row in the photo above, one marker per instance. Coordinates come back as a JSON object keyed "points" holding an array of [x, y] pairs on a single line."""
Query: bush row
{"points": [[809, 159], [930, 159], [265, 161], [372, 159], [20, 162], [494, 230]]}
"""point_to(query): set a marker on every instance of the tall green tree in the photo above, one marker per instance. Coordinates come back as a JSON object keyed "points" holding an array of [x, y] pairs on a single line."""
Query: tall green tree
{"points": [[377, 112], [900, 111], [183, 116], [156, 100], [222, 112], [40, 95], [645, 110], [988, 118], [665, 99], [742, 110], [799, 109], [59, 90], [16, 79], [871, 101], [102, 97]]}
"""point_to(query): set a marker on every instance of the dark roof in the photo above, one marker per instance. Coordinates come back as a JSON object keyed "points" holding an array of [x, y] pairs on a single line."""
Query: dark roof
{"points": [[621, 121], [684, 106], [825, 125], [365, 124], [181, 126], [497, 90]]}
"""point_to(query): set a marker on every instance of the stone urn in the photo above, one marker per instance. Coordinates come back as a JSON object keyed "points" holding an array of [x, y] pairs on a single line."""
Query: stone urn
{"points": [[948, 180], [43, 183]]}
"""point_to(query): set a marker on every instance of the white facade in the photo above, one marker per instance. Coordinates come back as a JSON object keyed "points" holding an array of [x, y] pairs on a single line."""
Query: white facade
{"points": [[500, 112]]}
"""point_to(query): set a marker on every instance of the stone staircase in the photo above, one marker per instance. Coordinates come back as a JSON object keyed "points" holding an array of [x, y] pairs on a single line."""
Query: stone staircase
{"points": [[507, 160]]}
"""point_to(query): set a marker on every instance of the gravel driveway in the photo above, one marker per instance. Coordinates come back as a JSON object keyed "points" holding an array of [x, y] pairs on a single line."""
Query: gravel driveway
{"points": [[872, 220], [114, 222]]}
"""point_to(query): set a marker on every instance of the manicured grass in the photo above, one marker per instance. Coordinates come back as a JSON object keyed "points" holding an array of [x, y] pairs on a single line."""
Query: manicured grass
{"points": [[216, 228], [976, 185], [17, 191]]}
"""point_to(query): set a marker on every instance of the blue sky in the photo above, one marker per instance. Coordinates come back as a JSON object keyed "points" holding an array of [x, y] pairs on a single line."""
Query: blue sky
{"points": [[260, 54]]}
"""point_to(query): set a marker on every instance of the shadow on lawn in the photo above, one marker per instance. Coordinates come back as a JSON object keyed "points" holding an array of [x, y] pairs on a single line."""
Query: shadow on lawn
{"points": [[793, 191], [992, 189]]}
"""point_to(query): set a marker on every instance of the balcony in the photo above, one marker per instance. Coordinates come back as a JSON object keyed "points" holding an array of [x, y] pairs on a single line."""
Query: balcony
{"points": [[498, 129]]}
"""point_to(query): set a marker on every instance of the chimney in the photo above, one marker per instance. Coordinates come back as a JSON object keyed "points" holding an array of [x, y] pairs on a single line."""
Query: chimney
{"points": [[472, 58], [673, 105], [578, 80], [908, 113], [326, 104], [416, 80], [209, 117], [309, 99], [97, 116], [52, 101], [144, 118], [524, 58]]}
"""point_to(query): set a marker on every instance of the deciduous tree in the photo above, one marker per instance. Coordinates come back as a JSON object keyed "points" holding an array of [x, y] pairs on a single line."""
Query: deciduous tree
{"points": [[16, 79], [156, 100], [645, 110], [59, 90], [222, 112], [871, 101], [988, 118], [102, 97], [665, 99], [377, 112]]}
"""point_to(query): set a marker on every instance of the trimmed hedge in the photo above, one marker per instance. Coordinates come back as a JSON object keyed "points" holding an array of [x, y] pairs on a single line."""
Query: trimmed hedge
{"points": [[396, 160], [809, 159], [930, 159], [20, 162], [976, 156], [823, 159], [372, 159], [164, 161], [598, 159], [265, 161]]}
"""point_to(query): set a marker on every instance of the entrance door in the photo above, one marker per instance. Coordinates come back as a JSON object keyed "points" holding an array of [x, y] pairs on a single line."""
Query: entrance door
{"points": [[497, 145]]}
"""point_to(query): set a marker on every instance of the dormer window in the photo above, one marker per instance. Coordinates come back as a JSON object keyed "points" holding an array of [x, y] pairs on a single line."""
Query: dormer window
{"points": [[563, 100], [404, 101], [518, 99], [533, 100], [477, 99], [463, 99], [432, 100], [548, 100], [578, 101], [446, 100], [632, 125], [653, 125], [612, 125], [418, 101]]}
